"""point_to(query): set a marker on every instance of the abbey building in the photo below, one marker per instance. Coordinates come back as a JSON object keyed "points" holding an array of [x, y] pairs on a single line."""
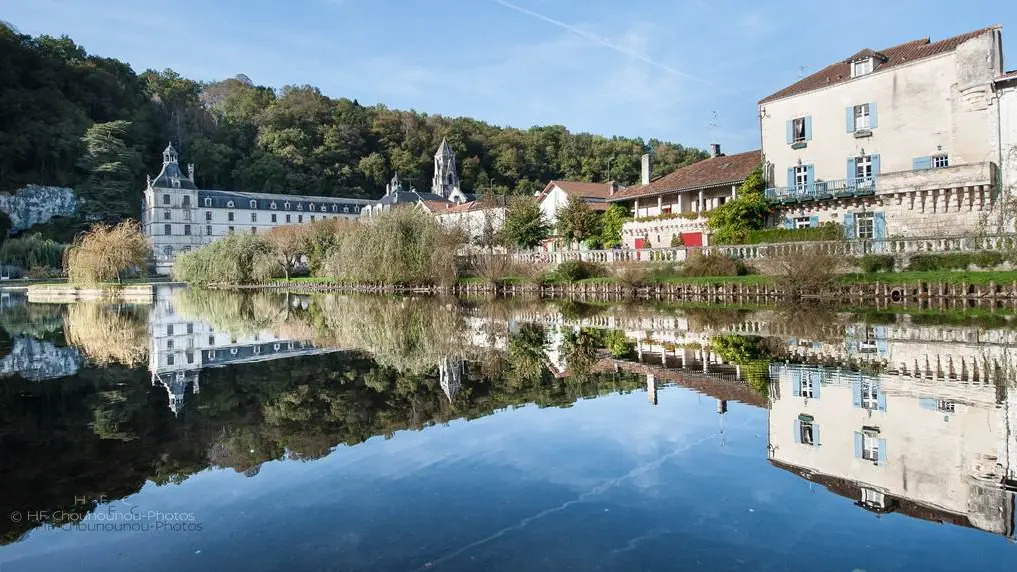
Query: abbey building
{"points": [[445, 189]]}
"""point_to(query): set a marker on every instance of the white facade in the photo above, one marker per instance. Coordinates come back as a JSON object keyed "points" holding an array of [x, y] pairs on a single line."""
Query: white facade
{"points": [[178, 217], [472, 219], [1006, 97], [913, 143]]}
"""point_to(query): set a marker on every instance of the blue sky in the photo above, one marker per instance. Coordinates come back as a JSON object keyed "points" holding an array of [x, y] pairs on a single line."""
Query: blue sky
{"points": [[689, 71]]}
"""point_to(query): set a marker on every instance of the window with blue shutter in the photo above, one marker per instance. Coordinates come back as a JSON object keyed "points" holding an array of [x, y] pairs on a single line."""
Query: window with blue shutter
{"points": [[882, 342], [879, 234], [872, 116], [851, 171], [880, 398], [930, 403], [789, 223], [815, 434], [817, 379], [859, 438], [881, 459], [875, 164], [790, 177], [808, 128], [850, 119], [813, 221], [810, 177], [798, 431], [849, 225], [919, 163], [796, 383], [790, 131], [856, 393]]}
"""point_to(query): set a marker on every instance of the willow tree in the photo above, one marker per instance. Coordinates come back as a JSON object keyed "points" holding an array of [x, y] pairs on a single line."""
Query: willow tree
{"points": [[105, 253]]}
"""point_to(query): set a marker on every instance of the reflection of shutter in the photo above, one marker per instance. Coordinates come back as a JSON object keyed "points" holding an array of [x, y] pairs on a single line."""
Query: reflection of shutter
{"points": [[858, 445], [850, 119], [856, 393], [919, 163], [872, 116], [808, 128], [810, 176], [816, 380], [790, 131], [880, 398], [788, 223], [930, 403], [815, 435], [813, 221], [881, 335], [796, 383], [798, 431], [881, 457], [849, 225], [852, 172]]}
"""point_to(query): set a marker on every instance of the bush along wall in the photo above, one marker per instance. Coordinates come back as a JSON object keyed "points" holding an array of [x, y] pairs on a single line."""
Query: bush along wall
{"points": [[954, 261], [823, 232]]}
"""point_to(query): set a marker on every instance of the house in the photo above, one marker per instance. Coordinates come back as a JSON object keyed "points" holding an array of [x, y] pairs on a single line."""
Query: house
{"points": [[902, 141], [475, 218], [177, 216], [556, 194], [674, 206]]}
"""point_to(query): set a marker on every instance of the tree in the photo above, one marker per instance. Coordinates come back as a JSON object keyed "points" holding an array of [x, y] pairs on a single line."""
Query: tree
{"points": [[287, 243], [105, 252], [525, 225], [732, 220], [611, 223], [577, 221], [111, 164]]}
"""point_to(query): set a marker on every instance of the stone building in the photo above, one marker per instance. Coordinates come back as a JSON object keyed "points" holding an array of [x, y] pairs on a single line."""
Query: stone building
{"points": [[902, 141], [1006, 99], [445, 189], [674, 206], [177, 216]]}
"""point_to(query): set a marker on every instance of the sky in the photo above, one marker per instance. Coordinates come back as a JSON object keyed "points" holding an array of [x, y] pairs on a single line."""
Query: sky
{"points": [[687, 71]]}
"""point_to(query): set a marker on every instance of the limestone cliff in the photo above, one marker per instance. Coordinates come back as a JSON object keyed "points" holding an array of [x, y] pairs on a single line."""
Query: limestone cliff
{"points": [[38, 360], [35, 204]]}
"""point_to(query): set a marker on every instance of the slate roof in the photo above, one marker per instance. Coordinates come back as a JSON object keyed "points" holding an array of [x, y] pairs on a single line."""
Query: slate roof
{"points": [[712, 172], [169, 173], [897, 55]]}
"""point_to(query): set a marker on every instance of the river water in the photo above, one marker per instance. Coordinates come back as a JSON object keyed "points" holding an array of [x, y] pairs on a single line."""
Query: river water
{"points": [[217, 431]]}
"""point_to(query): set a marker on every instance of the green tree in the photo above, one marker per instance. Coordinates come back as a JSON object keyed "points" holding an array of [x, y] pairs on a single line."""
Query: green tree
{"points": [[577, 221], [732, 220], [109, 192], [611, 223], [525, 224]]}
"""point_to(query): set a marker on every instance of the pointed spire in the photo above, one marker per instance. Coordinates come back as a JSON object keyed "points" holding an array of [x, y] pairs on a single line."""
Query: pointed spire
{"points": [[444, 149]]}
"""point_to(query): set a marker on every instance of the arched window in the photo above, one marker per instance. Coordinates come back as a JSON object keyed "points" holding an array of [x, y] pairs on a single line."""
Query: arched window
{"points": [[208, 202], [254, 204], [311, 207], [300, 206], [335, 208], [229, 204], [286, 205]]}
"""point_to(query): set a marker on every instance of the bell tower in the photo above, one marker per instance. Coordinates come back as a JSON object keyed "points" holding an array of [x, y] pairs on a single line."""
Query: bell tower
{"points": [[446, 178]]}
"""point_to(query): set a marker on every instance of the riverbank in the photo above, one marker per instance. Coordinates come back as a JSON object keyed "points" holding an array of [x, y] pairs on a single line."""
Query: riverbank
{"points": [[128, 292]]}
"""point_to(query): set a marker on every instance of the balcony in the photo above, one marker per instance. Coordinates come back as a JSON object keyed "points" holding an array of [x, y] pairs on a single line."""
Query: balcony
{"points": [[819, 190]]}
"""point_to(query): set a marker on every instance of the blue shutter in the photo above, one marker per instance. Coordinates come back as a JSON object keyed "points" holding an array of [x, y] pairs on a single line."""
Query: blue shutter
{"points": [[856, 393], [817, 380], [875, 165], [879, 233], [858, 445], [880, 397], [808, 128], [798, 431], [814, 221], [815, 435], [791, 177], [790, 131], [810, 178], [872, 116], [919, 163], [851, 172], [881, 457], [850, 119], [788, 223], [849, 225], [796, 383]]}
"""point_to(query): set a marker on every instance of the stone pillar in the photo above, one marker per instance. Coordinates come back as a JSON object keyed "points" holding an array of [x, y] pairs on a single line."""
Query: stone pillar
{"points": [[699, 204], [734, 192], [680, 207], [635, 209], [660, 204]]}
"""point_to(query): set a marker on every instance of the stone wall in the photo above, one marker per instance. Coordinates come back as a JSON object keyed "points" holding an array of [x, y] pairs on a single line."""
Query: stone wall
{"points": [[36, 204], [37, 360]]}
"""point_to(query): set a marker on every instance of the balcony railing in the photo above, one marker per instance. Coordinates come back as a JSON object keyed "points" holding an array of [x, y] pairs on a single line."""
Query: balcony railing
{"points": [[823, 190]]}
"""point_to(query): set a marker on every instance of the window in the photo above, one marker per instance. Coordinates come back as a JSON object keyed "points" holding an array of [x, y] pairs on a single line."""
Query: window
{"points": [[254, 217], [286, 205], [230, 231], [229, 217], [873, 498], [865, 226], [208, 215], [169, 344], [870, 447], [946, 406], [169, 330], [165, 215], [300, 218], [254, 230], [807, 389], [169, 359], [187, 230], [229, 204], [311, 207], [273, 217], [803, 222], [167, 250], [190, 357], [870, 395], [806, 433], [208, 202], [187, 215], [801, 176], [211, 354], [798, 130], [346, 209], [940, 161], [167, 229], [861, 67], [165, 199], [211, 340], [273, 205], [208, 230], [186, 201], [863, 168], [862, 116], [312, 218], [335, 208], [254, 204], [190, 328], [287, 218], [300, 206]]}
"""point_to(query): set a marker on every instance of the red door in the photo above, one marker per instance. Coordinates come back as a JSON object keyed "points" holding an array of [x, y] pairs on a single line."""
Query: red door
{"points": [[692, 238], [640, 243]]}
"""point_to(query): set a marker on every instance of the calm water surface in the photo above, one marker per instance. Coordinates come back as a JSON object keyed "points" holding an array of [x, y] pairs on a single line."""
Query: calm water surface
{"points": [[264, 432]]}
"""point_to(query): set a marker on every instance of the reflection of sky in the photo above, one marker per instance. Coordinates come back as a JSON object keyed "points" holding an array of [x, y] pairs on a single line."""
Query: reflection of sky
{"points": [[611, 483]]}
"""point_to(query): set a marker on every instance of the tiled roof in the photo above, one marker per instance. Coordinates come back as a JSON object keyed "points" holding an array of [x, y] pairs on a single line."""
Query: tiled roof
{"points": [[713, 172], [581, 188], [1007, 76], [436, 206], [897, 55]]}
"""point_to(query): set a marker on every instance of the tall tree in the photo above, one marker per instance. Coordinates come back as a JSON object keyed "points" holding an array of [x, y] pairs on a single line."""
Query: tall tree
{"points": [[109, 192], [577, 221], [525, 224]]}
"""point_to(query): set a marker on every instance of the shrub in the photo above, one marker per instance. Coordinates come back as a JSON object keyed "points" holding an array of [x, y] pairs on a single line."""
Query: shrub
{"points": [[493, 268], [32, 252], [954, 261], [987, 259], [631, 274], [234, 259], [699, 264], [676, 241], [575, 270], [811, 270], [105, 253], [823, 232], [876, 263]]}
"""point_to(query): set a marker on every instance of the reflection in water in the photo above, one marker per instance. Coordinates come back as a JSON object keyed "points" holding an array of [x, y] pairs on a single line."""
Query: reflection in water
{"points": [[897, 413]]}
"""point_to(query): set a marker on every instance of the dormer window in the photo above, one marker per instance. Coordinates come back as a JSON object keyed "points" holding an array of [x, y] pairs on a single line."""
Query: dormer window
{"points": [[286, 205], [254, 204], [273, 205], [311, 206], [208, 202], [229, 204], [335, 208], [861, 67], [300, 206]]}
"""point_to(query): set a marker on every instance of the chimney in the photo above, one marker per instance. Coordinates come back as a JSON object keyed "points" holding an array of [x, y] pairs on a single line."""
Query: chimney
{"points": [[646, 169], [715, 150], [614, 188]]}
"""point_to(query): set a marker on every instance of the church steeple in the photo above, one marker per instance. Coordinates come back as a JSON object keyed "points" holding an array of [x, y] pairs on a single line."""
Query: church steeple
{"points": [[446, 178]]}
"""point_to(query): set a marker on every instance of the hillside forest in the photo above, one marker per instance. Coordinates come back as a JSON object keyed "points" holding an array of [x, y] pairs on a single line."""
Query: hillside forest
{"points": [[70, 118]]}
